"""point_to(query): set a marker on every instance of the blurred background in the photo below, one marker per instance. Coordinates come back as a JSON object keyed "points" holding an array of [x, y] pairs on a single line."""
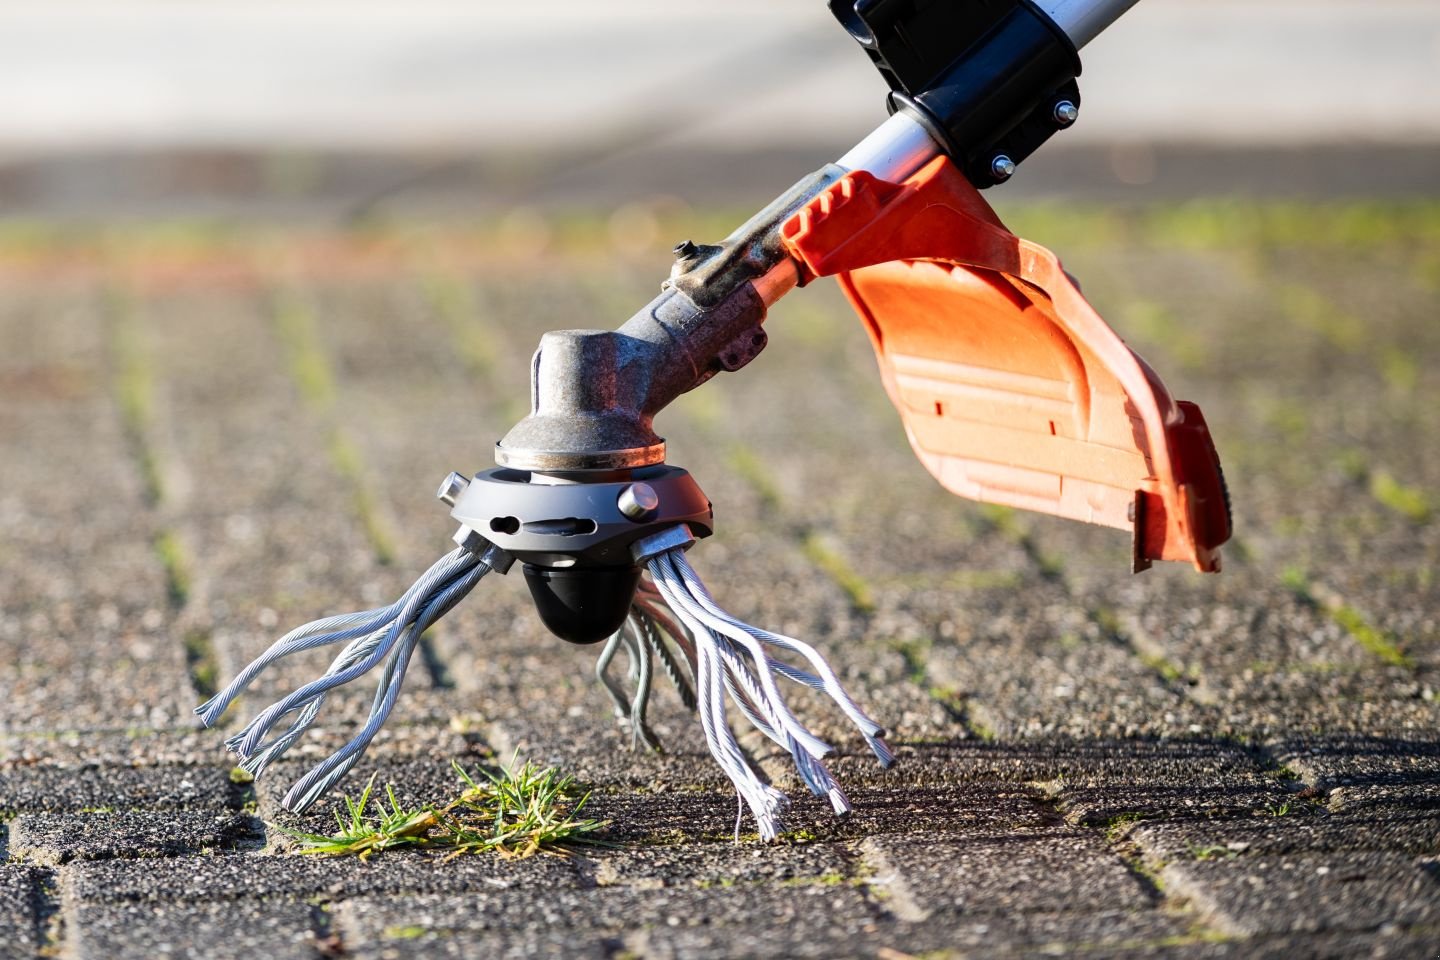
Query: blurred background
{"points": [[140, 108]]}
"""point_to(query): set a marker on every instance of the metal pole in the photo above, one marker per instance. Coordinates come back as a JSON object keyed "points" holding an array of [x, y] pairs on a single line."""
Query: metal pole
{"points": [[1084, 20], [892, 151]]}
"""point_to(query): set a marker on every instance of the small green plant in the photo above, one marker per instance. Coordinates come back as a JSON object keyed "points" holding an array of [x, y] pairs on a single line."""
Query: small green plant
{"points": [[1212, 852], [519, 812], [1118, 827], [1278, 809]]}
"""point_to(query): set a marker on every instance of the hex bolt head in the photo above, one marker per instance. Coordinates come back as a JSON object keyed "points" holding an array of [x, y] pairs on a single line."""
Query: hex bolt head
{"points": [[1065, 112], [639, 502], [1002, 168], [452, 486]]}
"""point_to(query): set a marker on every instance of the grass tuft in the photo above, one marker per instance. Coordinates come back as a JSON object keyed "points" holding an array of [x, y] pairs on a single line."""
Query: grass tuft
{"points": [[519, 812]]}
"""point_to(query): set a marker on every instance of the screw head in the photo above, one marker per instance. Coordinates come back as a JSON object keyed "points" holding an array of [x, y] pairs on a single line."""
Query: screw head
{"points": [[684, 249], [1002, 168], [1065, 112], [452, 486], [639, 502]]}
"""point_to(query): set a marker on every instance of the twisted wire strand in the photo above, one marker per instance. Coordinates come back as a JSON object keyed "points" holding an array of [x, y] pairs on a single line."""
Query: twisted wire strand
{"points": [[758, 709], [319, 633], [646, 637], [316, 634], [602, 673], [327, 773], [641, 672], [432, 580], [745, 691], [728, 627], [668, 663], [731, 659], [389, 634], [272, 750], [765, 802], [869, 729]]}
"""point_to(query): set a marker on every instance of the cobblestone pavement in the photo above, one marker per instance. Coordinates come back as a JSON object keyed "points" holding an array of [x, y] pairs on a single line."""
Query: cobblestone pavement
{"points": [[208, 435]]}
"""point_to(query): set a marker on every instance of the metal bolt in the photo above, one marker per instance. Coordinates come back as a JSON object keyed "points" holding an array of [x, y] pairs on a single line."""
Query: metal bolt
{"points": [[1065, 113], [452, 486], [1002, 168], [639, 501], [685, 249]]}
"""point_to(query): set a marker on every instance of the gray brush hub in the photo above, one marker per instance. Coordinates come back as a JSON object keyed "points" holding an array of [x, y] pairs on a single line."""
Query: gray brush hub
{"points": [[574, 532]]}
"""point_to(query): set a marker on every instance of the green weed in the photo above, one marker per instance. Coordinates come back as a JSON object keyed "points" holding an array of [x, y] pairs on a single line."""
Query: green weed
{"points": [[519, 812]]}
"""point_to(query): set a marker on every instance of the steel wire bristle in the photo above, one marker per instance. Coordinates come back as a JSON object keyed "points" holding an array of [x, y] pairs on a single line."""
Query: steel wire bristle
{"points": [[387, 634], [729, 658]]}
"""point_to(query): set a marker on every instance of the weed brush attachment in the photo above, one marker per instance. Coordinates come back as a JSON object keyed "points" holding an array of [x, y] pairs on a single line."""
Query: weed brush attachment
{"points": [[586, 540]]}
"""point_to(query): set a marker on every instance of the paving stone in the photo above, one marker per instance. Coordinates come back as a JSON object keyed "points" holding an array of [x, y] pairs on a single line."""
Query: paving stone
{"points": [[19, 929], [1164, 780], [757, 920], [722, 865], [1394, 943], [965, 810], [1035, 934], [53, 789], [52, 839], [1268, 836], [185, 746], [1358, 772], [1355, 891], [1327, 760], [937, 874], [144, 929], [250, 877]]}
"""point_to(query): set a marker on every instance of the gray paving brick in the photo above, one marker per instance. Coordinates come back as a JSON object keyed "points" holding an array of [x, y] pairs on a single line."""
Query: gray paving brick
{"points": [[52, 839], [1394, 943], [938, 875], [253, 877], [754, 919], [227, 929], [1360, 772], [110, 748], [275, 540], [1098, 932], [1354, 891], [1288, 836], [1164, 780], [722, 864], [1330, 760], [55, 789], [19, 929]]}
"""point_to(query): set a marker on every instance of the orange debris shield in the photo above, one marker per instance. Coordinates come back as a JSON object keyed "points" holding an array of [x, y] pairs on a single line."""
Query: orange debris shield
{"points": [[1011, 387]]}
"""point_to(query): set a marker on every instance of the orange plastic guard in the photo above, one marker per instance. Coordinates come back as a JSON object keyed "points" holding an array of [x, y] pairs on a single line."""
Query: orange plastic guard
{"points": [[1012, 388]]}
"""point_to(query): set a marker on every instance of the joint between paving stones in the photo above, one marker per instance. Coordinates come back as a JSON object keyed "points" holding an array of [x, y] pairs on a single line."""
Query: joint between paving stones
{"points": [[313, 374], [50, 913]]}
